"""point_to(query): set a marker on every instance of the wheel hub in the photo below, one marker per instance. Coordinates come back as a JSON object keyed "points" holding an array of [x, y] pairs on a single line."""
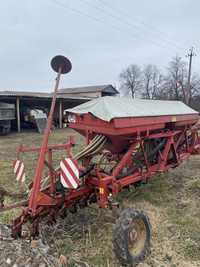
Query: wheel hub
{"points": [[137, 237], [133, 236]]}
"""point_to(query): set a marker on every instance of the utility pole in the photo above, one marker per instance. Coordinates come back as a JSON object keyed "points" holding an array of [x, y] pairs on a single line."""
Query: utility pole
{"points": [[190, 55]]}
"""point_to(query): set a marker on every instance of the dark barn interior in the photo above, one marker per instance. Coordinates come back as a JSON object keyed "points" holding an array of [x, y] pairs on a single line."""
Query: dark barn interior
{"points": [[66, 98]]}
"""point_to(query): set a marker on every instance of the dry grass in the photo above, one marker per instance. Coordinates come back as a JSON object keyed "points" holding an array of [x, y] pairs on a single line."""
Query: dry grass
{"points": [[171, 200]]}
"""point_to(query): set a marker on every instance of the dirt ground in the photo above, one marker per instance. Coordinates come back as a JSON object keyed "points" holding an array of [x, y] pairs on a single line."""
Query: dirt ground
{"points": [[171, 200]]}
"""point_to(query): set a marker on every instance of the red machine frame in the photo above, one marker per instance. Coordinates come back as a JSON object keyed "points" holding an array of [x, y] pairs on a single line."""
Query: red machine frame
{"points": [[97, 185], [127, 141]]}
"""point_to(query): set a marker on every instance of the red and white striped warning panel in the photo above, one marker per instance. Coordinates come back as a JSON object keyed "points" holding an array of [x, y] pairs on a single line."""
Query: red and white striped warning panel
{"points": [[19, 170], [69, 175]]}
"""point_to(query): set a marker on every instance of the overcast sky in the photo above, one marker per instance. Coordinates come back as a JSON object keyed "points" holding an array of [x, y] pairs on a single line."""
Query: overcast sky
{"points": [[100, 37]]}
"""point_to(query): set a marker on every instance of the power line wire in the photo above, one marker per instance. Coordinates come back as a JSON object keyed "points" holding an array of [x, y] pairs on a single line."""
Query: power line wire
{"points": [[58, 3], [142, 24], [124, 22]]}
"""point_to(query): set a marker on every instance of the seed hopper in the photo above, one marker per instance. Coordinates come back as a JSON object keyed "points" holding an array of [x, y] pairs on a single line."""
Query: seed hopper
{"points": [[127, 142]]}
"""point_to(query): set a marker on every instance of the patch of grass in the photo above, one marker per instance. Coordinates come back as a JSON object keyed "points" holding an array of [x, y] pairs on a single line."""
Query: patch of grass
{"points": [[7, 178], [193, 185], [184, 214], [191, 250], [85, 238], [64, 246], [158, 191], [186, 224], [7, 216]]}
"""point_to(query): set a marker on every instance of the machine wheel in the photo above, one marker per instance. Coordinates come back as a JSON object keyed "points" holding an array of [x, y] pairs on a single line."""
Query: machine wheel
{"points": [[131, 237]]}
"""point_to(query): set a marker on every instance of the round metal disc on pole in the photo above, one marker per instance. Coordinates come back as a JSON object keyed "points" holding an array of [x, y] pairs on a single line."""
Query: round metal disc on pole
{"points": [[62, 62]]}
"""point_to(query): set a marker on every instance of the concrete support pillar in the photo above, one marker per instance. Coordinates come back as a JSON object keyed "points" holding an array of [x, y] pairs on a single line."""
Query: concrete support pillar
{"points": [[60, 113], [18, 114]]}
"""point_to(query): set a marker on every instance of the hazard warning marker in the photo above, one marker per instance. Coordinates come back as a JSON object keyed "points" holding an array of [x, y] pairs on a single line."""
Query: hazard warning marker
{"points": [[69, 175], [19, 170]]}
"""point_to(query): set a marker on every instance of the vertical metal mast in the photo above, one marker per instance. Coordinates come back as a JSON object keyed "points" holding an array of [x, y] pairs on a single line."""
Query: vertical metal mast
{"points": [[61, 65]]}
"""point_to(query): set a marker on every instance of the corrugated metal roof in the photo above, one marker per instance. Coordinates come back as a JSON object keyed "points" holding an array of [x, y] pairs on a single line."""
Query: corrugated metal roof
{"points": [[88, 89], [39, 95], [23, 93], [71, 96], [65, 92]]}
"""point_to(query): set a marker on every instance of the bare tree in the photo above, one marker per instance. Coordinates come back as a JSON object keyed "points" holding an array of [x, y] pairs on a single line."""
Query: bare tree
{"points": [[195, 85], [194, 97], [176, 76], [152, 80], [150, 83], [130, 80]]}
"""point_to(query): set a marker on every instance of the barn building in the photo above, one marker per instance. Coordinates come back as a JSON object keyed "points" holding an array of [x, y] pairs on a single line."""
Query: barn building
{"points": [[66, 98]]}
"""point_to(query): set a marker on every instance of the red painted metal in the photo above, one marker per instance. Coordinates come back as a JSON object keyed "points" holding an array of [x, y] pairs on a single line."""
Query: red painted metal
{"points": [[40, 165], [179, 143], [61, 65], [67, 147], [125, 126], [138, 147]]}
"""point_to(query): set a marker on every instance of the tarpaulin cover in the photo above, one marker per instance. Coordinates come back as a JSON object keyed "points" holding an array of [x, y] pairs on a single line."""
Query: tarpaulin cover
{"points": [[108, 108]]}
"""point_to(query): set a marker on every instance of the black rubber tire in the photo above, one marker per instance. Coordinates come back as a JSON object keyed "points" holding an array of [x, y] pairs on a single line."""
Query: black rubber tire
{"points": [[121, 237]]}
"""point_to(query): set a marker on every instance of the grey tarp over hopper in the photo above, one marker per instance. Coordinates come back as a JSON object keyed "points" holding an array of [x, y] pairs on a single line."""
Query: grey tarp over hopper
{"points": [[108, 108]]}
